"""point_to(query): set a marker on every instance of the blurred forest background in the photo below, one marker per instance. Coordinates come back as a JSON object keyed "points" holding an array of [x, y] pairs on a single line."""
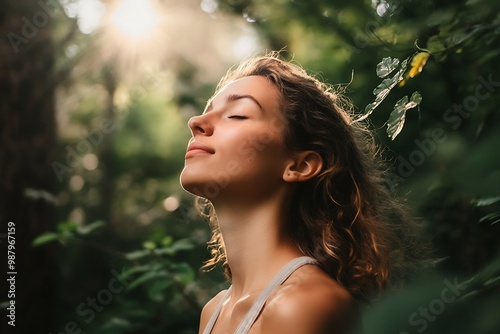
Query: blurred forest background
{"points": [[94, 100]]}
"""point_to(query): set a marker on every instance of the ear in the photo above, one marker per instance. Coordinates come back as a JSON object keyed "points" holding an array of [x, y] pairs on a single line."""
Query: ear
{"points": [[303, 166]]}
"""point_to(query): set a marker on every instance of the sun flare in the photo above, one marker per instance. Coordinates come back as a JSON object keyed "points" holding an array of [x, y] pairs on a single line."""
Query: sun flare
{"points": [[135, 18]]}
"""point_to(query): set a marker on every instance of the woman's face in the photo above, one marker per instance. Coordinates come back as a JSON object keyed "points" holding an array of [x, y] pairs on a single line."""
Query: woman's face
{"points": [[237, 146]]}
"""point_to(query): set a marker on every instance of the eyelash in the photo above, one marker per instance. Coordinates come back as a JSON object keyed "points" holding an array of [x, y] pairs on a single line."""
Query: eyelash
{"points": [[238, 117]]}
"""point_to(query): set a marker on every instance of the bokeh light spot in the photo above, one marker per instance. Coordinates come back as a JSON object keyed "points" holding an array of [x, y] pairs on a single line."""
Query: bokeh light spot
{"points": [[90, 161], [171, 203], [76, 182]]}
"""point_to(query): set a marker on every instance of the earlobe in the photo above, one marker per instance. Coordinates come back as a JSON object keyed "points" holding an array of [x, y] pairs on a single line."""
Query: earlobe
{"points": [[303, 166]]}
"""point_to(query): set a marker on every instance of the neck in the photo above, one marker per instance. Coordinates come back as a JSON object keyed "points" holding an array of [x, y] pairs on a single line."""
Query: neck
{"points": [[256, 243]]}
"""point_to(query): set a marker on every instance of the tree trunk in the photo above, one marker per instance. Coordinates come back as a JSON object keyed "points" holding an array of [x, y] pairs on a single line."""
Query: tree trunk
{"points": [[27, 182]]}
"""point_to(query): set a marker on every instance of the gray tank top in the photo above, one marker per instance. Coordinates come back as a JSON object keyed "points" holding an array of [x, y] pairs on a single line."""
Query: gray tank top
{"points": [[257, 306]]}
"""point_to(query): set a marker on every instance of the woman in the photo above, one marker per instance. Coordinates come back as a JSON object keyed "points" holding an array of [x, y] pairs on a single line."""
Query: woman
{"points": [[302, 219]]}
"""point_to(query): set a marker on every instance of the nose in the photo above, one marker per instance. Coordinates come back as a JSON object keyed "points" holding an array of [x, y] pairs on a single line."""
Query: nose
{"points": [[200, 125]]}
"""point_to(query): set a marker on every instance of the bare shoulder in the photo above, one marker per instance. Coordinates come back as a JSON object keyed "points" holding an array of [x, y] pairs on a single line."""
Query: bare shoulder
{"points": [[310, 302], [209, 309]]}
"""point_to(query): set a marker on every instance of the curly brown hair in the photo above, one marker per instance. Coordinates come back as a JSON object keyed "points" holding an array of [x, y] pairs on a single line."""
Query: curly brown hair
{"points": [[346, 217]]}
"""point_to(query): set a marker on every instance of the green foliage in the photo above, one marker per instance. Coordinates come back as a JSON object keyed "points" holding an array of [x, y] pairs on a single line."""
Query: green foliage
{"points": [[386, 66], [492, 203], [438, 303], [154, 275], [384, 88], [465, 27], [66, 231], [398, 115]]}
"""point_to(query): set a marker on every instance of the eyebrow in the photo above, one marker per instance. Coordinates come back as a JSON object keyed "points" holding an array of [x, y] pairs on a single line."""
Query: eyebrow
{"points": [[235, 97]]}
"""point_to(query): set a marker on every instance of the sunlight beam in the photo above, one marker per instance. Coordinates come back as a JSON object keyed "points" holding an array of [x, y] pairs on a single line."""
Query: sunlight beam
{"points": [[135, 18]]}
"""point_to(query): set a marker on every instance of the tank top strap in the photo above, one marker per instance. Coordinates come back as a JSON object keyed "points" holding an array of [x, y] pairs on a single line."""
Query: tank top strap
{"points": [[211, 323], [257, 306]]}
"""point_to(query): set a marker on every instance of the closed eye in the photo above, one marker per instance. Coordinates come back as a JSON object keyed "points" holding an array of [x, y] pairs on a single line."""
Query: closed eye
{"points": [[237, 117]]}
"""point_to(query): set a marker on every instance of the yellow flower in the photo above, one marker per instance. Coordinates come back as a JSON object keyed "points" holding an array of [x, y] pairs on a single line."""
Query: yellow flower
{"points": [[417, 64]]}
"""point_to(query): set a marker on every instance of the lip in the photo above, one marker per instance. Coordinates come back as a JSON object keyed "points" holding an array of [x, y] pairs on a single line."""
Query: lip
{"points": [[197, 148]]}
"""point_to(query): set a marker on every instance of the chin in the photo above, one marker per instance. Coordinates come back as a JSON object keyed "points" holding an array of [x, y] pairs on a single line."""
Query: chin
{"points": [[193, 184], [208, 190], [187, 182]]}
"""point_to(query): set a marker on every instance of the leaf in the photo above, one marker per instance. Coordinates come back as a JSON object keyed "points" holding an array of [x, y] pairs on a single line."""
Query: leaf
{"points": [[383, 89], [86, 229], [440, 17], [67, 226], [486, 201], [494, 217], [116, 325], [370, 107], [138, 254], [487, 278], [458, 38], [386, 84], [492, 281], [435, 44], [397, 118], [184, 273], [386, 66], [156, 290], [167, 241], [398, 115], [151, 266], [44, 239], [150, 275], [416, 98], [182, 244], [149, 245]]}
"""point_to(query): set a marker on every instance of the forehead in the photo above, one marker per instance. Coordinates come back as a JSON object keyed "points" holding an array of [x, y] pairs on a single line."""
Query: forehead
{"points": [[257, 86]]}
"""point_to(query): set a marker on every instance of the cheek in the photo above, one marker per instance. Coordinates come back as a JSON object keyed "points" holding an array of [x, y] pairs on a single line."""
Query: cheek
{"points": [[261, 160], [260, 144]]}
